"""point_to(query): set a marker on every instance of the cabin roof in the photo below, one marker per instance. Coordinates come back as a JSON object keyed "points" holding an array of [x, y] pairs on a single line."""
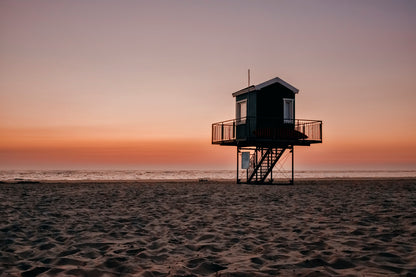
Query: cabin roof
{"points": [[266, 84]]}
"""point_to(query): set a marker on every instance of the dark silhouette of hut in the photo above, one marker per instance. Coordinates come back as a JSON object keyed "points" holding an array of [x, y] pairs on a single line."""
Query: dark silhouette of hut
{"points": [[264, 129]]}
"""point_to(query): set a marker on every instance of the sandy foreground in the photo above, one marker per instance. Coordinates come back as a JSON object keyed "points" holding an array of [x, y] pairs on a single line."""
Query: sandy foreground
{"points": [[314, 228]]}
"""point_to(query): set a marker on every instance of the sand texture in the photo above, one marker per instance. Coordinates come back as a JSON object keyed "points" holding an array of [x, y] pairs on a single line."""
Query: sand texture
{"points": [[314, 228]]}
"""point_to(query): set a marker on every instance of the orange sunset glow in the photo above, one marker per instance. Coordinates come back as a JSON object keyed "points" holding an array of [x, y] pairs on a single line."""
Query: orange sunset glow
{"points": [[137, 84]]}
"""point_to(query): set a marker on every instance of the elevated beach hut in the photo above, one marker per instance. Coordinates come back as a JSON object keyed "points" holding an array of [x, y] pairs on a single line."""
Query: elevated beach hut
{"points": [[264, 129]]}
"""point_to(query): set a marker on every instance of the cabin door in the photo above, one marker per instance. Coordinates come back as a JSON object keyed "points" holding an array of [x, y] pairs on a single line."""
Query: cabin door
{"points": [[289, 110]]}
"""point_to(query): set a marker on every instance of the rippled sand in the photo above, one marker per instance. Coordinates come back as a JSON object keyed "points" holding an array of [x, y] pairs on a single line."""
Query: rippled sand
{"points": [[314, 228]]}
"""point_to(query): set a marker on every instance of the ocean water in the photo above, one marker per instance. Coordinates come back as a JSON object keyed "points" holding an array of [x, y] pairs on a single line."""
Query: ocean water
{"points": [[66, 175]]}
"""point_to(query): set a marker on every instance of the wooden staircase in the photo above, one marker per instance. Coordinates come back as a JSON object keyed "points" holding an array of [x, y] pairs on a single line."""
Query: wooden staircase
{"points": [[262, 162]]}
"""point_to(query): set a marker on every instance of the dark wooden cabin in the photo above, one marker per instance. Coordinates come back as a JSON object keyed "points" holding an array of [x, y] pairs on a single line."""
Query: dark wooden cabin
{"points": [[265, 125]]}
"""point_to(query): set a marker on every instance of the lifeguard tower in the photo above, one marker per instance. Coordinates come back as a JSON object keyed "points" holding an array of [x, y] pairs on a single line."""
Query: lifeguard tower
{"points": [[264, 130]]}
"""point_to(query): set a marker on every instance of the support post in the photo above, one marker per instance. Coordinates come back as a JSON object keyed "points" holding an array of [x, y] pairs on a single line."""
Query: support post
{"points": [[271, 171], [256, 163], [238, 151], [269, 162], [293, 164]]}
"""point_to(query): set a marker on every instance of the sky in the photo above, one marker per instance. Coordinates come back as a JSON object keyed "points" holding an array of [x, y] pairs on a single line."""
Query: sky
{"points": [[137, 84]]}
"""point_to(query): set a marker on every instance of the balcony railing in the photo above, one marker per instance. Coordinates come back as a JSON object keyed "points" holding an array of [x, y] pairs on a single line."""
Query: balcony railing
{"points": [[249, 128], [312, 129], [224, 131]]}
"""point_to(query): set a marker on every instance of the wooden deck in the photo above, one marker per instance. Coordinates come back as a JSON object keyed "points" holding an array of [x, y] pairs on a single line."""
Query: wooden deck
{"points": [[243, 132]]}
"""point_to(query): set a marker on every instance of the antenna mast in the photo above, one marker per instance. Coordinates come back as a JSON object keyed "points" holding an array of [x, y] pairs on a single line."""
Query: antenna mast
{"points": [[248, 75]]}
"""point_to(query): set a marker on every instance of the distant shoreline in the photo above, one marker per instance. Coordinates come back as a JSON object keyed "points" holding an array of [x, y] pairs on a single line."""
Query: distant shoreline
{"points": [[202, 176], [203, 181]]}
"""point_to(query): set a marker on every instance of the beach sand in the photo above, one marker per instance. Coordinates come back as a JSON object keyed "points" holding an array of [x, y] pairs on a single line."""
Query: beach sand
{"points": [[184, 228]]}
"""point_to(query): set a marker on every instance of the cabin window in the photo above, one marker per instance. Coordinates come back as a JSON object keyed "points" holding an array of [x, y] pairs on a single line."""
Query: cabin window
{"points": [[289, 110], [241, 111]]}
